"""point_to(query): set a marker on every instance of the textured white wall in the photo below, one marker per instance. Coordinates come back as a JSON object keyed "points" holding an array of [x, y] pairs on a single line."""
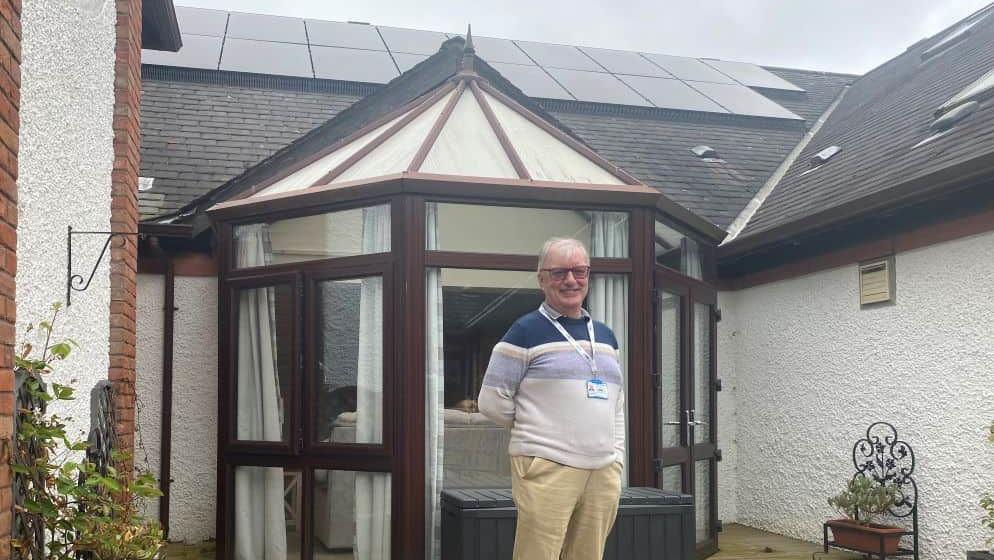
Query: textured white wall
{"points": [[65, 161], [812, 370], [727, 413], [194, 429]]}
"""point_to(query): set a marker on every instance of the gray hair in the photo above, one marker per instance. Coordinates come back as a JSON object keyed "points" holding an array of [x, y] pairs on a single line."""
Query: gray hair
{"points": [[565, 245]]}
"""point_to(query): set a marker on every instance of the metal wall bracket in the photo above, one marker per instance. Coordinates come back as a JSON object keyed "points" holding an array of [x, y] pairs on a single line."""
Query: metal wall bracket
{"points": [[76, 282]]}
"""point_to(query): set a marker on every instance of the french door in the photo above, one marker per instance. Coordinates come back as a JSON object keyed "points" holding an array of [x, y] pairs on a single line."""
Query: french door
{"points": [[309, 413], [685, 397]]}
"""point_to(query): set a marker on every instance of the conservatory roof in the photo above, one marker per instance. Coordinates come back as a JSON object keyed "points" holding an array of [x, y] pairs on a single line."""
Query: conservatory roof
{"points": [[462, 128]]}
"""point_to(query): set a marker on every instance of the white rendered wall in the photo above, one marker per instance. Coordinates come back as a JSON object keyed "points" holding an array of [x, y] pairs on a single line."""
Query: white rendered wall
{"points": [[727, 422], [194, 429], [811, 371], [65, 160]]}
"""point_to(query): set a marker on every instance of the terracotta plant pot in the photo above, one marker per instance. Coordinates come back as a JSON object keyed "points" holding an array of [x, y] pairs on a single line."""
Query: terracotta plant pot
{"points": [[865, 538]]}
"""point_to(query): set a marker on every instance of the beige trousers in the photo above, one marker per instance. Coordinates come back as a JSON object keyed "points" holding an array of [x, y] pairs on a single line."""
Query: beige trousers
{"points": [[564, 513]]}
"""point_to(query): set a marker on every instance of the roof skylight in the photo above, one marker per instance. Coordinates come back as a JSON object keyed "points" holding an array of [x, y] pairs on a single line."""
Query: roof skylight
{"points": [[961, 32], [977, 91], [945, 123], [706, 153], [822, 157]]}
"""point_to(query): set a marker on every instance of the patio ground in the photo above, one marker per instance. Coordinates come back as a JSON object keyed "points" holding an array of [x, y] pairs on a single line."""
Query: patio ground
{"points": [[737, 542]]}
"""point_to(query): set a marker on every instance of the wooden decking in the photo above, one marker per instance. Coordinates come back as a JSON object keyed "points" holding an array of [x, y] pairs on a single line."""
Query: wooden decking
{"points": [[738, 542]]}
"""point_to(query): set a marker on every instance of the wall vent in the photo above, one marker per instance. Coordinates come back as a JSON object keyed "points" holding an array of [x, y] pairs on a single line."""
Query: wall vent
{"points": [[876, 281]]}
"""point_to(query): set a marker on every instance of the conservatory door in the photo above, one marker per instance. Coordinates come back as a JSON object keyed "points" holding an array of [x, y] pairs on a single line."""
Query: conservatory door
{"points": [[685, 397]]}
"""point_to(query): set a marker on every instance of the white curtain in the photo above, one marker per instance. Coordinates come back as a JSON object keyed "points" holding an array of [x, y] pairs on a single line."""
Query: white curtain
{"points": [[260, 525], [608, 298], [372, 490], [691, 258], [434, 392]]}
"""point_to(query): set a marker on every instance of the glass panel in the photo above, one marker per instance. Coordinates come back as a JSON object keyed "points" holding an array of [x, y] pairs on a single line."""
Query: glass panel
{"points": [[353, 65], [267, 513], [198, 21], [264, 363], [351, 515], [349, 354], [266, 28], [468, 145], [607, 302], [751, 75], [559, 56], [532, 80], [676, 251], [672, 478], [625, 62], [196, 52], [672, 94], [546, 157], [689, 68], [669, 370], [359, 231], [702, 372], [742, 101], [338, 34], [702, 499], [266, 57], [597, 87], [484, 229]]}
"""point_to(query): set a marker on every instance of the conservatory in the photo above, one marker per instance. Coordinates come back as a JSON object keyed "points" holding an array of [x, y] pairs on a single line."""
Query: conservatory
{"points": [[364, 285]]}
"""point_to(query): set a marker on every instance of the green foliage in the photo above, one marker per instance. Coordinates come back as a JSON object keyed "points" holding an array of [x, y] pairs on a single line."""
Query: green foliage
{"points": [[864, 499], [987, 501], [69, 506]]}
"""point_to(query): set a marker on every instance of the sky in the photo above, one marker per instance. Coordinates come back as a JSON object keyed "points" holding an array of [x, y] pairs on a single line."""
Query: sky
{"points": [[849, 36]]}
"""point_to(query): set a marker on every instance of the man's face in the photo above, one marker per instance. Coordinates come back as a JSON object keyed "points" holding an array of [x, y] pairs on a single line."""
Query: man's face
{"points": [[564, 295]]}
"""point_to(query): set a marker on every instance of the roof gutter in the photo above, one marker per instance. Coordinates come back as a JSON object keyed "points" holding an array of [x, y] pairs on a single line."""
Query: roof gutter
{"points": [[753, 206]]}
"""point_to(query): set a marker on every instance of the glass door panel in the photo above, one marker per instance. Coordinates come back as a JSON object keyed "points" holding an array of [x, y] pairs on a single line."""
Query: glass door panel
{"points": [[702, 373], [264, 358], [347, 377], [351, 515], [267, 522], [669, 357]]}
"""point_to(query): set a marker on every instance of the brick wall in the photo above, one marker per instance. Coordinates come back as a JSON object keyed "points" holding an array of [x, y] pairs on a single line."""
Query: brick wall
{"points": [[10, 85], [124, 215]]}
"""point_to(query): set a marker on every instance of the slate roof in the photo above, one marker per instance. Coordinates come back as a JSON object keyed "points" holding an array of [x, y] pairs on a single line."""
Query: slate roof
{"points": [[878, 123]]}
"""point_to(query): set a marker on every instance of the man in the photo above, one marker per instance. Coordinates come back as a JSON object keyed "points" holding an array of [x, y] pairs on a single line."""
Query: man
{"points": [[562, 399]]}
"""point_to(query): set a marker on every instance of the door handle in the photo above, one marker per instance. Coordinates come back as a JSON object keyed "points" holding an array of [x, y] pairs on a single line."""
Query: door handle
{"points": [[672, 423]]}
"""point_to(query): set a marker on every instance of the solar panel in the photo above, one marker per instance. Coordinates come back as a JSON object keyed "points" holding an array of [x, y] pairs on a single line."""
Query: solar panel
{"points": [[498, 50], [689, 68], [412, 41], [266, 28], [407, 61], [626, 62], [198, 51], [266, 57], [352, 65], [337, 34], [532, 80], [751, 75], [559, 56], [198, 21], [742, 101], [597, 87], [672, 94]]}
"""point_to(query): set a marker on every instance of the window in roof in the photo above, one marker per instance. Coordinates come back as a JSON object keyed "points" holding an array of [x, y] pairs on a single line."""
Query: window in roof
{"points": [[955, 36], [706, 153], [978, 90], [822, 157], [946, 122]]}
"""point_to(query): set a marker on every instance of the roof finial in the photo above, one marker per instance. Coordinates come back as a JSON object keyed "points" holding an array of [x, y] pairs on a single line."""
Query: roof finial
{"points": [[468, 53]]}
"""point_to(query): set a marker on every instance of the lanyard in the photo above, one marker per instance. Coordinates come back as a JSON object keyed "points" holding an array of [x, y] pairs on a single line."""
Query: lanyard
{"points": [[576, 345]]}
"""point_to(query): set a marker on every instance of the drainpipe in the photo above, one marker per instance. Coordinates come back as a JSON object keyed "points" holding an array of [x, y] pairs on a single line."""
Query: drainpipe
{"points": [[166, 427]]}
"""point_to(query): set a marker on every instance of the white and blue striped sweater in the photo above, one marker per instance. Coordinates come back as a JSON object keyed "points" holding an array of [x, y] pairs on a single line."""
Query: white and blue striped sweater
{"points": [[536, 385]]}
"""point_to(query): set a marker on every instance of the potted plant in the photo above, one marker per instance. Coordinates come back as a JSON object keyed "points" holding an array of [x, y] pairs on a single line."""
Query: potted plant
{"points": [[862, 500], [986, 502]]}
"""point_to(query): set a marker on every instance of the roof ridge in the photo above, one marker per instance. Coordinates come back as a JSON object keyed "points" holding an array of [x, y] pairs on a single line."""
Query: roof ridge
{"points": [[742, 220]]}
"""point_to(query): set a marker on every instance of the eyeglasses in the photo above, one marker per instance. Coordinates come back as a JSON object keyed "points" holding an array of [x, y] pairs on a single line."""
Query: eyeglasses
{"points": [[559, 274]]}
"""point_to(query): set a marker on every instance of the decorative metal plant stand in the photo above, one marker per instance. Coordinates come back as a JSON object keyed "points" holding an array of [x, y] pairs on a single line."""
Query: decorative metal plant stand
{"points": [[887, 460]]}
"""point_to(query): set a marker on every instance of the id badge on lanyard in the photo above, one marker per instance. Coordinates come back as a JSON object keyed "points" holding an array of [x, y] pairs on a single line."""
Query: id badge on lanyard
{"points": [[596, 387]]}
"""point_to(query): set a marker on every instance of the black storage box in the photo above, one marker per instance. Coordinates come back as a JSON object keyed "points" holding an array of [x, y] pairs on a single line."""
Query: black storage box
{"points": [[652, 524]]}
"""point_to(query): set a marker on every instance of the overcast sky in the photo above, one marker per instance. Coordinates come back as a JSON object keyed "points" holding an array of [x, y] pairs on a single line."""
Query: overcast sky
{"points": [[832, 35]]}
